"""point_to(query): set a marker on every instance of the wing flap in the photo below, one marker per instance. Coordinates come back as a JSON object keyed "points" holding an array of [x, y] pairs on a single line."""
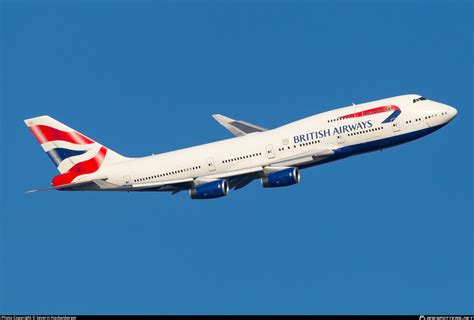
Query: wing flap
{"points": [[233, 173], [162, 185], [307, 157], [240, 182]]}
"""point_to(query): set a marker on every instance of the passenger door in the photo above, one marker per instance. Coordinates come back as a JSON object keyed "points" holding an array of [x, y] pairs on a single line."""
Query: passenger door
{"points": [[395, 125], [340, 139], [269, 151], [210, 165], [127, 180]]}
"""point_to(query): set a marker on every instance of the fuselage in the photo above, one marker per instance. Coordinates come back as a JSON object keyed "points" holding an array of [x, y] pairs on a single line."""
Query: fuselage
{"points": [[346, 131]]}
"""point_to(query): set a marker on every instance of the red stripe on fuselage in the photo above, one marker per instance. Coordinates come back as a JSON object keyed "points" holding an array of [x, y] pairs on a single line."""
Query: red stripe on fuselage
{"points": [[85, 167], [370, 112], [46, 134]]}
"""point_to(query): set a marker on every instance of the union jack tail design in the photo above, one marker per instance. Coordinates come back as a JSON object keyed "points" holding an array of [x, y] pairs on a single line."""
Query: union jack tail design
{"points": [[72, 153]]}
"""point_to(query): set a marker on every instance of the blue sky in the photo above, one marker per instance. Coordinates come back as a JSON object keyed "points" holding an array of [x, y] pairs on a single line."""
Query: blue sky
{"points": [[386, 232]]}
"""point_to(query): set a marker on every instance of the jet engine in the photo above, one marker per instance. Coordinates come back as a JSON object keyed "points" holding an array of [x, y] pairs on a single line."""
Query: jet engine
{"points": [[281, 178], [210, 190]]}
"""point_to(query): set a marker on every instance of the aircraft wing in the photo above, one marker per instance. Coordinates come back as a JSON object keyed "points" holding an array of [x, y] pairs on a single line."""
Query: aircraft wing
{"points": [[238, 178], [313, 155], [239, 182], [237, 127], [172, 185]]}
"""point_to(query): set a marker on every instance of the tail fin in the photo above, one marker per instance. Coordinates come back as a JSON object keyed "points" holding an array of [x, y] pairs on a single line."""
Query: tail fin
{"points": [[72, 153]]}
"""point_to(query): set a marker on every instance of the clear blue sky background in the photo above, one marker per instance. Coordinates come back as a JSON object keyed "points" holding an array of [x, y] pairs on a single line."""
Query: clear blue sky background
{"points": [[387, 232]]}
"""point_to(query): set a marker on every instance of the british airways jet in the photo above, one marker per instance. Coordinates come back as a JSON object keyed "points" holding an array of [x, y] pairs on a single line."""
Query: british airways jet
{"points": [[274, 156]]}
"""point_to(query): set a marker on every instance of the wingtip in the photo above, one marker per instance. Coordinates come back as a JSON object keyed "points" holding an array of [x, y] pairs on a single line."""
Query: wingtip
{"points": [[221, 118], [217, 116]]}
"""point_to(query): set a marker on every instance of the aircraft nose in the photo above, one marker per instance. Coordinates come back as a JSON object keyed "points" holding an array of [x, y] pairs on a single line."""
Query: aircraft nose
{"points": [[452, 112]]}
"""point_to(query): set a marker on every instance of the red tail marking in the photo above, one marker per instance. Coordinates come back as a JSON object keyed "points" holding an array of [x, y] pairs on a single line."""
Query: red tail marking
{"points": [[45, 134], [85, 167]]}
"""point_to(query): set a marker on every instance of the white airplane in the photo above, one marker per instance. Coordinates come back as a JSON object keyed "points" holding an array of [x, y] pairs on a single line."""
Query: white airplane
{"points": [[274, 156]]}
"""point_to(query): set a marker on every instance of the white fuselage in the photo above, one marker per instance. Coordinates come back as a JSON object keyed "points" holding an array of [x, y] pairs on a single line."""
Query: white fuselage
{"points": [[288, 145]]}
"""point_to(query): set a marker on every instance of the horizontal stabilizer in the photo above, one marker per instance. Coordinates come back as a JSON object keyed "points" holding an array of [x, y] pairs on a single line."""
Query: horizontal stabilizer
{"points": [[66, 186]]}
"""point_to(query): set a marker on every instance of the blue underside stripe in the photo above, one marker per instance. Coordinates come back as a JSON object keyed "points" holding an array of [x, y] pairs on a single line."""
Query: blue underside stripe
{"points": [[59, 154], [376, 145]]}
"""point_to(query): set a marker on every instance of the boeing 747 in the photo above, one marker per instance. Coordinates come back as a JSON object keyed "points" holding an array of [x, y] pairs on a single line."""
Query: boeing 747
{"points": [[274, 156]]}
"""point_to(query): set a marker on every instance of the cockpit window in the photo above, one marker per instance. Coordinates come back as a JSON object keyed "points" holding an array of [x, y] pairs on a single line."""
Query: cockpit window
{"points": [[419, 99]]}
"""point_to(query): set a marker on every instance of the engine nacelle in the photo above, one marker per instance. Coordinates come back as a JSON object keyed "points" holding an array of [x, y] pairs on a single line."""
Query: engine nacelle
{"points": [[282, 178], [210, 190]]}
